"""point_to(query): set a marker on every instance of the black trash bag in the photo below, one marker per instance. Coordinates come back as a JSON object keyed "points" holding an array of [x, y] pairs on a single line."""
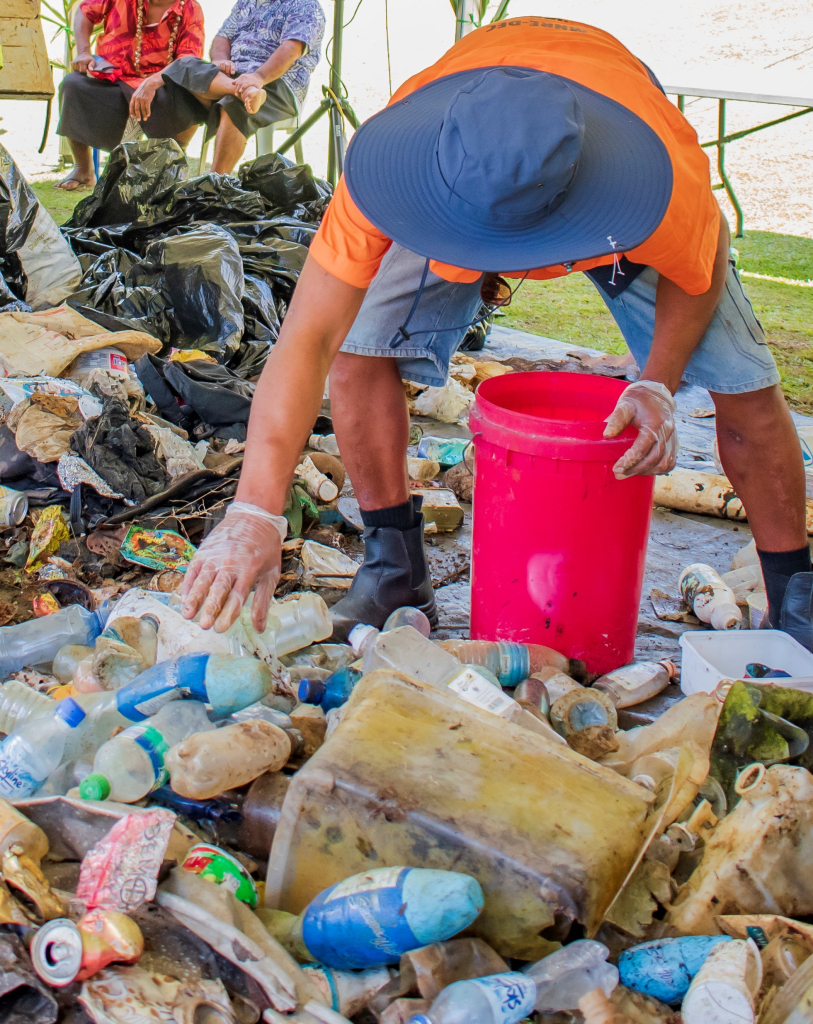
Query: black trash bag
{"points": [[276, 261], [137, 185], [215, 198], [9, 302], [250, 358], [20, 470], [283, 184], [186, 290], [107, 321], [150, 371], [121, 451], [262, 321], [18, 205], [289, 229]]}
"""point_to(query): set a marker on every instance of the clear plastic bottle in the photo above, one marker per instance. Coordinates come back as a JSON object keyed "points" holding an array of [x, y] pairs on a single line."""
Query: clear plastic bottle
{"points": [[18, 702], [67, 659], [36, 642], [208, 763], [294, 623], [576, 976], [34, 750], [409, 616], [711, 599], [132, 763], [631, 684], [510, 662], [495, 999]]}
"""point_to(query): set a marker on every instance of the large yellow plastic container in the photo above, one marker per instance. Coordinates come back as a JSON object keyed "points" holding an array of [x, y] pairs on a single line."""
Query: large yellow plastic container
{"points": [[416, 777]]}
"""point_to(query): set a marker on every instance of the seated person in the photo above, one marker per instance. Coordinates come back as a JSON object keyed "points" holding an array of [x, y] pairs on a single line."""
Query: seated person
{"points": [[139, 39], [262, 59]]}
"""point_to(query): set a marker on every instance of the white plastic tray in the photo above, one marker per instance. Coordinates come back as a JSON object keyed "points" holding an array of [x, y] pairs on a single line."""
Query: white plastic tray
{"points": [[709, 656]]}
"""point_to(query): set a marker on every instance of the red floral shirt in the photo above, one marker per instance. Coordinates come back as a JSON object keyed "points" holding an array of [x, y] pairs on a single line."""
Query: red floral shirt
{"points": [[117, 41]]}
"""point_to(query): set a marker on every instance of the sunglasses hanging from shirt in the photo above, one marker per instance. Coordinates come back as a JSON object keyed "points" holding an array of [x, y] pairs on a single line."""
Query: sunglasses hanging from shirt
{"points": [[402, 334]]}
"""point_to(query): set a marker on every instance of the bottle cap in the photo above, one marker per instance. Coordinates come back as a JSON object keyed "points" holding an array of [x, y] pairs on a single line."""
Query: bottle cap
{"points": [[420, 1018], [94, 787], [311, 691], [70, 712], [358, 634]]}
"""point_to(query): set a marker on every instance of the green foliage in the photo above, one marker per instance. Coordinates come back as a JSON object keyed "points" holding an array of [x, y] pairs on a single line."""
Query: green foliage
{"points": [[479, 19]]}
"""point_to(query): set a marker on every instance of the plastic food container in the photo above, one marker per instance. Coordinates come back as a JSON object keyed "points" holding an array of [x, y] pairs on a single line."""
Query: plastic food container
{"points": [[712, 655]]}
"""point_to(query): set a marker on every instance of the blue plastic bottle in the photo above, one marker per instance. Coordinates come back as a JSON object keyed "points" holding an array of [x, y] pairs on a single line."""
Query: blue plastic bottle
{"points": [[370, 919], [331, 692], [664, 968]]}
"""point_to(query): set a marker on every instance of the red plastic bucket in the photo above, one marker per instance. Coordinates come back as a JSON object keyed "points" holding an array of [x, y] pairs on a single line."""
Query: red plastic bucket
{"points": [[558, 544]]}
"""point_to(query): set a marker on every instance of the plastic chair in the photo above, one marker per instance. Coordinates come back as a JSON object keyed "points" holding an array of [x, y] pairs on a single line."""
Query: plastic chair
{"points": [[264, 140]]}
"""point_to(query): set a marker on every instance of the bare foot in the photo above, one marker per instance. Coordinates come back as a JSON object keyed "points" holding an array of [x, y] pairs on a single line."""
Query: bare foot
{"points": [[76, 182], [254, 99]]}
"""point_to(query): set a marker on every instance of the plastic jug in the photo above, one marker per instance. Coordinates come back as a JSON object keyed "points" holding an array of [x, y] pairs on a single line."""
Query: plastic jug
{"points": [[35, 749], [207, 763], [724, 989], [495, 999], [635, 683], [546, 856], [664, 968], [711, 599], [548, 510], [36, 642], [132, 763]]}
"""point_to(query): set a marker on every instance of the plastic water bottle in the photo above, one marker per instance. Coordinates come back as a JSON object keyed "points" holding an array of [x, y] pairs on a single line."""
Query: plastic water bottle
{"points": [[131, 765], [18, 702], [576, 977], [510, 662], [725, 988], [331, 692], [711, 599], [632, 684], [34, 750], [35, 643], [495, 999], [409, 616], [664, 968], [370, 919]]}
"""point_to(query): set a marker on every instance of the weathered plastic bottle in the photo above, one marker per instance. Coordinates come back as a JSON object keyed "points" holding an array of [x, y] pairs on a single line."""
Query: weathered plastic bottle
{"points": [[408, 616], [324, 443], [297, 622], [586, 718], [66, 660], [331, 692], [370, 919], [664, 968], [510, 662], [35, 749], [496, 999], [556, 683], [348, 992], [724, 989], [532, 694], [18, 702], [709, 597], [576, 976], [319, 486], [793, 1003], [207, 763], [36, 642], [448, 451], [127, 767], [637, 682]]}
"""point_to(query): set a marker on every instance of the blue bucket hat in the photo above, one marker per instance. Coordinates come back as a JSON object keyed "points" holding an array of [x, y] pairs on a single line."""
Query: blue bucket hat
{"points": [[509, 169]]}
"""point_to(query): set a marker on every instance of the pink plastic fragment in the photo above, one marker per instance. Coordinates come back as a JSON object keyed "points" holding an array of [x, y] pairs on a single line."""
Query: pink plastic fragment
{"points": [[121, 871]]}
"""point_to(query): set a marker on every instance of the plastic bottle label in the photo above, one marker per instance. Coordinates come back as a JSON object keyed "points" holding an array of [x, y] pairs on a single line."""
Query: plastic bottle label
{"points": [[151, 740], [141, 702], [17, 778], [360, 922], [510, 996], [631, 677], [472, 687]]}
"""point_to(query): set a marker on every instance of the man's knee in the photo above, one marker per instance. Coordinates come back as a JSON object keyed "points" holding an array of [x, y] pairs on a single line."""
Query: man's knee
{"points": [[71, 86], [186, 62], [751, 413]]}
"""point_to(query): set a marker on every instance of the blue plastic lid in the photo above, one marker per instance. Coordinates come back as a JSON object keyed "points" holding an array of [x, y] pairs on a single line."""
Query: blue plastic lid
{"points": [[311, 691], [420, 1018], [70, 712]]}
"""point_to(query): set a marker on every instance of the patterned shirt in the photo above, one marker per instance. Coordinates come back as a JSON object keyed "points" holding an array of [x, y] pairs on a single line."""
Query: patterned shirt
{"points": [[117, 41], [257, 27]]}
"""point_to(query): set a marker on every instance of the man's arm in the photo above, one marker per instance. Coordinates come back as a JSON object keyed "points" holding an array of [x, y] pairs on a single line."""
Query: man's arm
{"points": [[284, 57], [285, 406], [220, 55], [681, 321], [82, 28]]}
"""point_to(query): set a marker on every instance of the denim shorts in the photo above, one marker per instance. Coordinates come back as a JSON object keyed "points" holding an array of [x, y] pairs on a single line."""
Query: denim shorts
{"points": [[732, 356]]}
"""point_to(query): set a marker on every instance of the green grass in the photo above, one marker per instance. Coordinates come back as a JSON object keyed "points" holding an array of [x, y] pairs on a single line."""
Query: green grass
{"points": [[571, 310]]}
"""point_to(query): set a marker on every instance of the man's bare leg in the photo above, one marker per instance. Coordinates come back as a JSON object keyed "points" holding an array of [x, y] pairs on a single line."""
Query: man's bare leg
{"points": [[230, 144], [82, 176], [184, 138], [221, 85], [370, 417]]}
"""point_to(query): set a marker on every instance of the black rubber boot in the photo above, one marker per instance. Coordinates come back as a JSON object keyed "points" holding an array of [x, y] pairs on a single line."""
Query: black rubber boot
{"points": [[394, 573], [796, 617]]}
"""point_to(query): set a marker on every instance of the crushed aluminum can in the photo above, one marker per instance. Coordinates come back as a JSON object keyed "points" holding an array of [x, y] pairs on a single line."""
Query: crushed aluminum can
{"points": [[121, 871], [107, 937], [56, 952]]}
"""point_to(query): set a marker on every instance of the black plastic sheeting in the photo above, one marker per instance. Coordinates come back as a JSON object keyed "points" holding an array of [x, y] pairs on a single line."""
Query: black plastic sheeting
{"points": [[18, 210], [208, 262]]}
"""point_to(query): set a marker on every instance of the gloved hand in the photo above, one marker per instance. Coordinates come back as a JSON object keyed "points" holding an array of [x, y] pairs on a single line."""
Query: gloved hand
{"points": [[244, 549], [649, 406]]}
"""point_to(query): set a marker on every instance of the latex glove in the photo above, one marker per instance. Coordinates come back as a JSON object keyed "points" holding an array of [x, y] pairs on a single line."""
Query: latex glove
{"points": [[649, 406], [243, 550]]}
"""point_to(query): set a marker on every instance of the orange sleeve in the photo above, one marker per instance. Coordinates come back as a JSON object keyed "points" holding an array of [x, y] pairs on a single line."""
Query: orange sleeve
{"points": [[346, 244], [95, 10]]}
